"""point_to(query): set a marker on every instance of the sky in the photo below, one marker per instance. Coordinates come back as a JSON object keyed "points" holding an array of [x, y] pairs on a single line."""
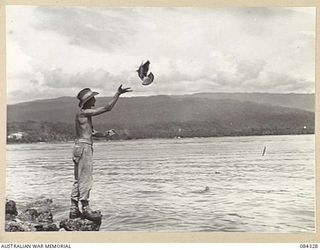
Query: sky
{"points": [[55, 51]]}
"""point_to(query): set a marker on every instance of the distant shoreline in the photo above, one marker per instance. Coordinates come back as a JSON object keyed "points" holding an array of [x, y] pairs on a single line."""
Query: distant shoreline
{"points": [[160, 138]]}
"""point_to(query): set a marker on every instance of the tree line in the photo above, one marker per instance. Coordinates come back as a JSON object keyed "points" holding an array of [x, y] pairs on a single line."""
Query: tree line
{"points": [[63, 132]]}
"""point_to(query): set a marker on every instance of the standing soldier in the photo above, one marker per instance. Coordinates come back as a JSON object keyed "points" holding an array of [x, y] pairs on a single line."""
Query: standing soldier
{"points": [[82, 152]]}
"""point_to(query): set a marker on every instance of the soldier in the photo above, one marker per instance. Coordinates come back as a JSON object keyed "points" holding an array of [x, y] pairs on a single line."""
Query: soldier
{"points": [[82, 152]]}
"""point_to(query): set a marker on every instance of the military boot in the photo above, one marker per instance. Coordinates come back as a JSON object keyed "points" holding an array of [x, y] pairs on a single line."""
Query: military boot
{"points": [[89, 214], [74, 210]]}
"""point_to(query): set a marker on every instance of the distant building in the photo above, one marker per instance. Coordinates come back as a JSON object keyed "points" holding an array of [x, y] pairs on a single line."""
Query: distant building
{"points": [[17, 136]]}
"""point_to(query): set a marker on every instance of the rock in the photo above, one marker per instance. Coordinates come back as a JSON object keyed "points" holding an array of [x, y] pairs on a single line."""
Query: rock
{"points": [[12, 226], [23, 226], [32, 215], [79, 224], [11, 208], [46, 227], [10, 217], [45, 216], [29, 214], [36, 216]]}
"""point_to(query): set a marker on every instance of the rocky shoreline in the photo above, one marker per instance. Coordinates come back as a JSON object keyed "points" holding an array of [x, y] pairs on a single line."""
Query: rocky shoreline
{"points": [[37, 216]]}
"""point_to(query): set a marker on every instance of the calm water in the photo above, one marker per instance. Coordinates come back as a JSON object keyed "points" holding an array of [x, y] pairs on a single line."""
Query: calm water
{"points": [[153, 185]]}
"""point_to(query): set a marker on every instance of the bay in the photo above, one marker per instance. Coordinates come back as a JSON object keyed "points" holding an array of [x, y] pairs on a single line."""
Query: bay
{"points": [[158, 184]]}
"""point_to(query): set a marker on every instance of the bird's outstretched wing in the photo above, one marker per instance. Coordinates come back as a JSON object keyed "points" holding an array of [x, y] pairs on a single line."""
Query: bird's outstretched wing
{"points": [[143, 70], [145, 67]]}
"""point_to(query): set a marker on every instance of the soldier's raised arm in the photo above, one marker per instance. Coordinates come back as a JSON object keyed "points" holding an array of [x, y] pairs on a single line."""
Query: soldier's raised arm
{"points": [[109, 106]]}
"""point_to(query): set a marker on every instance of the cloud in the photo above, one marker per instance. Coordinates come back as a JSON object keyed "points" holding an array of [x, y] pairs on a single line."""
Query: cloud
{"points": [[35, 94], [282, 82], [94, 28], [93, 78], [190, 49]]}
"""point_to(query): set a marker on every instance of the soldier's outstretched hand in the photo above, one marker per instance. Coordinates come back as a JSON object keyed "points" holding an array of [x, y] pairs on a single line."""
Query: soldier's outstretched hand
{"points": [[123, 90]]}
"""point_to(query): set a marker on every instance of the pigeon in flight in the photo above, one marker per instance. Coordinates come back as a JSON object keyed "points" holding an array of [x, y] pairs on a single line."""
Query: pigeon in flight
{"points": [[143, 73]]}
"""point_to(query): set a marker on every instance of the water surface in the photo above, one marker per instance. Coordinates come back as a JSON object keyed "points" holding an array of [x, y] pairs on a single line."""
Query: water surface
{"points": [[156, 184]]}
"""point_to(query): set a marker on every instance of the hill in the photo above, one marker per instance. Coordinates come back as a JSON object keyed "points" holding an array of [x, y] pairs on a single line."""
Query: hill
{"points": [[168, 116], [300, 101]]}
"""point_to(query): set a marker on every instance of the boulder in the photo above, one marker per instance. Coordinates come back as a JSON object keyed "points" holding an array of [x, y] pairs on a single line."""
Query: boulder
{"points": [[29, 214], [36, 216], [79, 224], [46, 227], [13, 226], [11, 208], [45, 216]]}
